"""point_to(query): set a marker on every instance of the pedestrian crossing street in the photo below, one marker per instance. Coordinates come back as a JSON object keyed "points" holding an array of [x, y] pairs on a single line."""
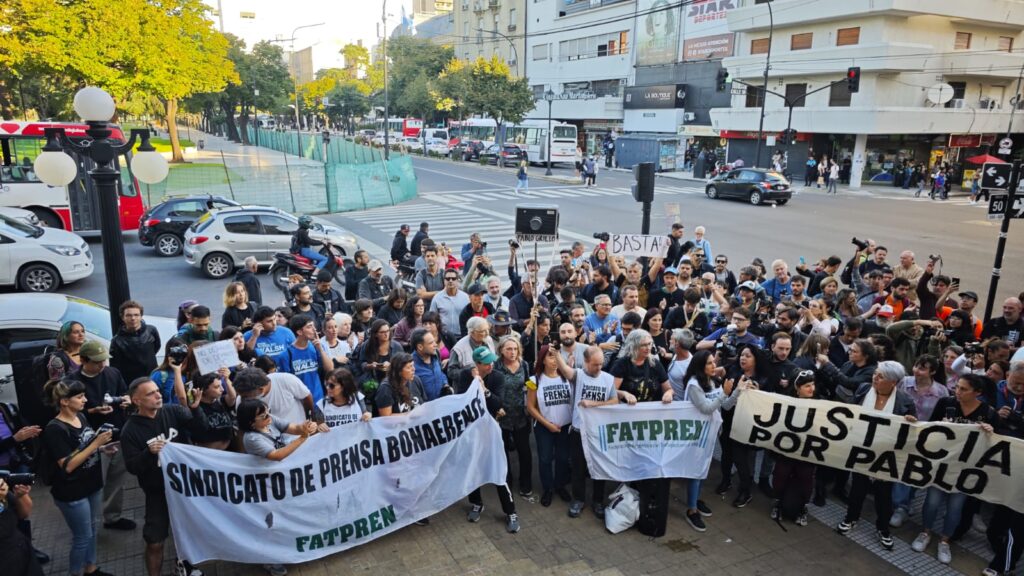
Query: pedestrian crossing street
{"points": [[452, 222], [566, 192]]}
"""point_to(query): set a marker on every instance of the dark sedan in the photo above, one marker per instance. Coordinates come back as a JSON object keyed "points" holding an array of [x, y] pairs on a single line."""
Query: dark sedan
{"points": [[510, 154], [163, 226], [467, 149], [754, 185]]}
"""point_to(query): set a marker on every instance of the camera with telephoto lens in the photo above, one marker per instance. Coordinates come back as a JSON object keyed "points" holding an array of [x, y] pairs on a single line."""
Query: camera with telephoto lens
{"points": [[178, 353], [860, 244], [935, 257], [513, 244], [483, 245], [17, 478], [602, 236]]}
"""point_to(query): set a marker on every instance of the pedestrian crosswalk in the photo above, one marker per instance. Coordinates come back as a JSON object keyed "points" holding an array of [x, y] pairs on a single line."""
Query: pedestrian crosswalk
{"points": [[452, 223], [567, 192]]}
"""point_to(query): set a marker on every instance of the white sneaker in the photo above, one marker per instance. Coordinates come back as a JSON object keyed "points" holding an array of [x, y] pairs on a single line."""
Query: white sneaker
{"points": [[898, 518], [944, 555], [978, 524], [921, 542]]}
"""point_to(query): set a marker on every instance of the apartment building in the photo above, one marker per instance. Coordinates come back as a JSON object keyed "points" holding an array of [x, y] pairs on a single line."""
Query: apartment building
{"points": [[486, 28]]}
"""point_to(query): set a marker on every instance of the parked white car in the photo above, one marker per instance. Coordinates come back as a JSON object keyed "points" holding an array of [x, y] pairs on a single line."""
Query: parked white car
{"points": [[37, 259], [26, 216], [411, 142], [438, 146], [30, 322]]}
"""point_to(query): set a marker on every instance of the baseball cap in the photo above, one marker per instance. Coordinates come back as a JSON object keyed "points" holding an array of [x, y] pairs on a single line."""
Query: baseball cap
{"points": [[94, 351], [749, 285], [885, 310], [476, 289], [374, 265], [969, 294], [483, 355], [670, 270]]}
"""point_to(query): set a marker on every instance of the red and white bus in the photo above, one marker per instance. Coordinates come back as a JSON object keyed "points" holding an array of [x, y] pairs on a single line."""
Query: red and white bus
{"points": [[75, 207], [400, 126]]}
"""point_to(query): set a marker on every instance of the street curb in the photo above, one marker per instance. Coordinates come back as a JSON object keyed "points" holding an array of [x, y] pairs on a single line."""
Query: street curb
{"points": [[499, 170]]}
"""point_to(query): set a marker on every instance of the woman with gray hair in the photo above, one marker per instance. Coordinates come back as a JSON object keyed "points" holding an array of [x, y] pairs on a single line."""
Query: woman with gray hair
{"points": [[882, 394]]}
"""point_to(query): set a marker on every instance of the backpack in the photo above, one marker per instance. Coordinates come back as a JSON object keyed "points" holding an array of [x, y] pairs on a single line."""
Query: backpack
{"points": [[40, 370]]}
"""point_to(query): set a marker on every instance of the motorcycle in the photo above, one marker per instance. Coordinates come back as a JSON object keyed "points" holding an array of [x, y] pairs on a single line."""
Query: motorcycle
{"points": [[287, 263]]}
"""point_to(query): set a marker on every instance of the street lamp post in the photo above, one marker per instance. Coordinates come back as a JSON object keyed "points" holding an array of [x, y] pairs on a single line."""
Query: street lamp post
{"points": [[56, 168], [764, 90], [295, 81], [549, 96]]}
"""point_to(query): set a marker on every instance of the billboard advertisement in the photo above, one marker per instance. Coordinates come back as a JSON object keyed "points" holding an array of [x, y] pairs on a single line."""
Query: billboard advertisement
{"points": [[706, 30], [657, 31]]}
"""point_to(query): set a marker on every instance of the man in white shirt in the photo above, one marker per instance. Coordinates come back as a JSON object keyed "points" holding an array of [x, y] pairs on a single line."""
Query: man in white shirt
{"points": [[450, 302], [630, 302]]}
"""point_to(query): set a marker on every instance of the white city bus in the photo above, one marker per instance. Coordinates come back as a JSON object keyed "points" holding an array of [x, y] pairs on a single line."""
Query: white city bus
{"points": [[530, 135]]}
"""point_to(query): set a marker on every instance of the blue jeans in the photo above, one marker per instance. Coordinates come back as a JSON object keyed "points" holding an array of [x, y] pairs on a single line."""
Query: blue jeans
{"points": [[522, 183], [902, 496], [954, 505], [692, 492], [319, 259], [552, 454], [81, 516]]}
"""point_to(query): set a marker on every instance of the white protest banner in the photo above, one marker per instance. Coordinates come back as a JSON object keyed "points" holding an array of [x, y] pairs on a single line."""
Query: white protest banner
{"points": [[649, 440], [640, 245], [953, 457], [338, 490], [216, 355]]}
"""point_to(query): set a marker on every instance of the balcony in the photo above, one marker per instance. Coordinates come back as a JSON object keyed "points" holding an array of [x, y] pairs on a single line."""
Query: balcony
{"points": [[752, 17], [494, 4], [511, 27]]}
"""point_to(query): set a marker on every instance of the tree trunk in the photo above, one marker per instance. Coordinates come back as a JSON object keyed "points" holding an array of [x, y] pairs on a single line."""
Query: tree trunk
{"points": [[171, 108], [243, 123], [229, 118]]}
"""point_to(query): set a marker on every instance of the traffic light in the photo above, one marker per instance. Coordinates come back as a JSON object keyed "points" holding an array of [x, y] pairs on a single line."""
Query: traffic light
{"points": [[788, 136], [643, 187], [853, 79], [723, 78]]}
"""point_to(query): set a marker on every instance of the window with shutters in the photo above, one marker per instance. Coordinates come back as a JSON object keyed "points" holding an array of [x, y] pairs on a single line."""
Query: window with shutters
{"points": [[759, 46], [848, 36], [755, 96], [839, 95], [800, 41], [963, 41], [1006, 43]]}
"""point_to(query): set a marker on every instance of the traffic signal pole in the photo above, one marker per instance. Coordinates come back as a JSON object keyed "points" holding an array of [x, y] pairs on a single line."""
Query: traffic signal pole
{"points": [[1004, 229]]}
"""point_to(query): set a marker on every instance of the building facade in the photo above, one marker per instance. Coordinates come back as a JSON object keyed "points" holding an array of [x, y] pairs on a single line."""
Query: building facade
{"points": [[938, 81], [486, 28], [583, 51]]}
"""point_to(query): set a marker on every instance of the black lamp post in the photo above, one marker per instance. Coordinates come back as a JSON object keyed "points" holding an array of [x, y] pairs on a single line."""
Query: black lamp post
{"points": [[56, 168], [549, 96]]}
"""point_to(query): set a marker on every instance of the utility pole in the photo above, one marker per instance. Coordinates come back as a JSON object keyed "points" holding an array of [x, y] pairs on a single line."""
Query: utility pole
{"points": [[764, 89], [384, 50], [1004, 229]]}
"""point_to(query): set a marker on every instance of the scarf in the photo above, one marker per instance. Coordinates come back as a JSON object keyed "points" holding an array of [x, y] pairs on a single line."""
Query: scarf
{"points": [[870, 397]]}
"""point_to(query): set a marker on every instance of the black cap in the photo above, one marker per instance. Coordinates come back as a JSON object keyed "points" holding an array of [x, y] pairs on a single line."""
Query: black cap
{"points": [[476, 289], [969, 294], [324, 276], [500, 318]]}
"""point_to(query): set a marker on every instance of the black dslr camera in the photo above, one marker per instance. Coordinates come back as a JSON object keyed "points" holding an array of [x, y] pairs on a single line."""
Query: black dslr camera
{"points": [[602, 236], [860, 244], [973, 348], [17, 479], [513, 244], [178, 353]]}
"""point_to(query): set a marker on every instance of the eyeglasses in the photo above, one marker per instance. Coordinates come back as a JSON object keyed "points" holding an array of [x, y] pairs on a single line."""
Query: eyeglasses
{"points": [[332, 385], [450, 279], [264, 414]]}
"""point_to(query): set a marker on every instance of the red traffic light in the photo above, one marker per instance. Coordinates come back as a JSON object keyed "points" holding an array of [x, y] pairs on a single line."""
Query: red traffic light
{"points": [[851, 73]]}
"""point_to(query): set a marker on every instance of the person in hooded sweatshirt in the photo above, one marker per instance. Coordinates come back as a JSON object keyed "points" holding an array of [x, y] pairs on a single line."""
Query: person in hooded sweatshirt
{"points": [[134, 348]]}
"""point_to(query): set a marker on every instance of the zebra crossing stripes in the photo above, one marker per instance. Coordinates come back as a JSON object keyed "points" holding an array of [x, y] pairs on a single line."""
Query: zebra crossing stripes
{"points": [[556, 193]]}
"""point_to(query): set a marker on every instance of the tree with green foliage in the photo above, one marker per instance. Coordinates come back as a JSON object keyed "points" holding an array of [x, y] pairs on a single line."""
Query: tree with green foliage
{"points": [[166, 49], [494, 93], [412, 59]]}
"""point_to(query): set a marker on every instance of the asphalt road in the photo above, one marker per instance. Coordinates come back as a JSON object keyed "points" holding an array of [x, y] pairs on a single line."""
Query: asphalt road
{"points": [[462, 197]]}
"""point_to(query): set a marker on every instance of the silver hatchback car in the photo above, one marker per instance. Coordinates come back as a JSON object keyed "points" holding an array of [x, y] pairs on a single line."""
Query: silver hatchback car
{"points": [[220, 240]]}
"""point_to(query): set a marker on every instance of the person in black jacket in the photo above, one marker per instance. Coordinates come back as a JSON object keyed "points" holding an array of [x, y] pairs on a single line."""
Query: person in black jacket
{"points": [[881, 395], [146, 433], [399, 249], [492, 384], [134, 348], [330, 299], [417, 240], [247, 276]]}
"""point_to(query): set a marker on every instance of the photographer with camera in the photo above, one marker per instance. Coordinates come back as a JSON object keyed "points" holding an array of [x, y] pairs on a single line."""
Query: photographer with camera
{"points": [[732, 335], [146, 433], [71, 448], [168, 376], [475, 247], [106, 401], [909, 337], [16, 552], [17, 454], [690, 315]]}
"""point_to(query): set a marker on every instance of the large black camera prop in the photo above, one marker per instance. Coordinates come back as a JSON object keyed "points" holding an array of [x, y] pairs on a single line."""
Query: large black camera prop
{"points": [[536, 223]]}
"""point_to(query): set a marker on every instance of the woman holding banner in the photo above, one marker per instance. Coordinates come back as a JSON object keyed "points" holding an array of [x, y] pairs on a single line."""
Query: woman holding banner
{"points": [[704, 392], [344, 403], [882, 395], [402, 390], [965, 407]]}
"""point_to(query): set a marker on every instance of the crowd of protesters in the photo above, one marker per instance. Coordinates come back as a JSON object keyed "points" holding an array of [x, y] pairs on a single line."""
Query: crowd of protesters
{"points": [[546, 344]]}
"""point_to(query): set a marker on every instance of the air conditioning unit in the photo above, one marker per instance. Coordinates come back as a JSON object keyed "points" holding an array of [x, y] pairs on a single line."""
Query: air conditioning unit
{"points": [[985, 103], [511, 27], [958, 103], [689, 116]]}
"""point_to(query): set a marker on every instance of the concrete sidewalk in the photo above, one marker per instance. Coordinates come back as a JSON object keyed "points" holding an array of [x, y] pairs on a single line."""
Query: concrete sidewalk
{"points": [[865, 190]]}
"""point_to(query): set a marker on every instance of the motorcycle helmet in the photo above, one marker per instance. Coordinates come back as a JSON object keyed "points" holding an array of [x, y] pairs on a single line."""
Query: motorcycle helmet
{"points": [[305, 222]]}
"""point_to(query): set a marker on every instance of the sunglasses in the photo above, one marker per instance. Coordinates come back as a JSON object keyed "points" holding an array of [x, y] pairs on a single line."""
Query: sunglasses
{"points": [[721, 261], [451, 279], [332, 385]]}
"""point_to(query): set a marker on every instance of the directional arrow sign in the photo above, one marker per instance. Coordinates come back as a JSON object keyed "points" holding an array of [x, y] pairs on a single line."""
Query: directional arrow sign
{"points": [[995, 176], [997, 207]]}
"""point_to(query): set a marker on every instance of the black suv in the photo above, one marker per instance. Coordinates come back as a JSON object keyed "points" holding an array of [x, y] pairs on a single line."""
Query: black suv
{"points": [[163, 226]]}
